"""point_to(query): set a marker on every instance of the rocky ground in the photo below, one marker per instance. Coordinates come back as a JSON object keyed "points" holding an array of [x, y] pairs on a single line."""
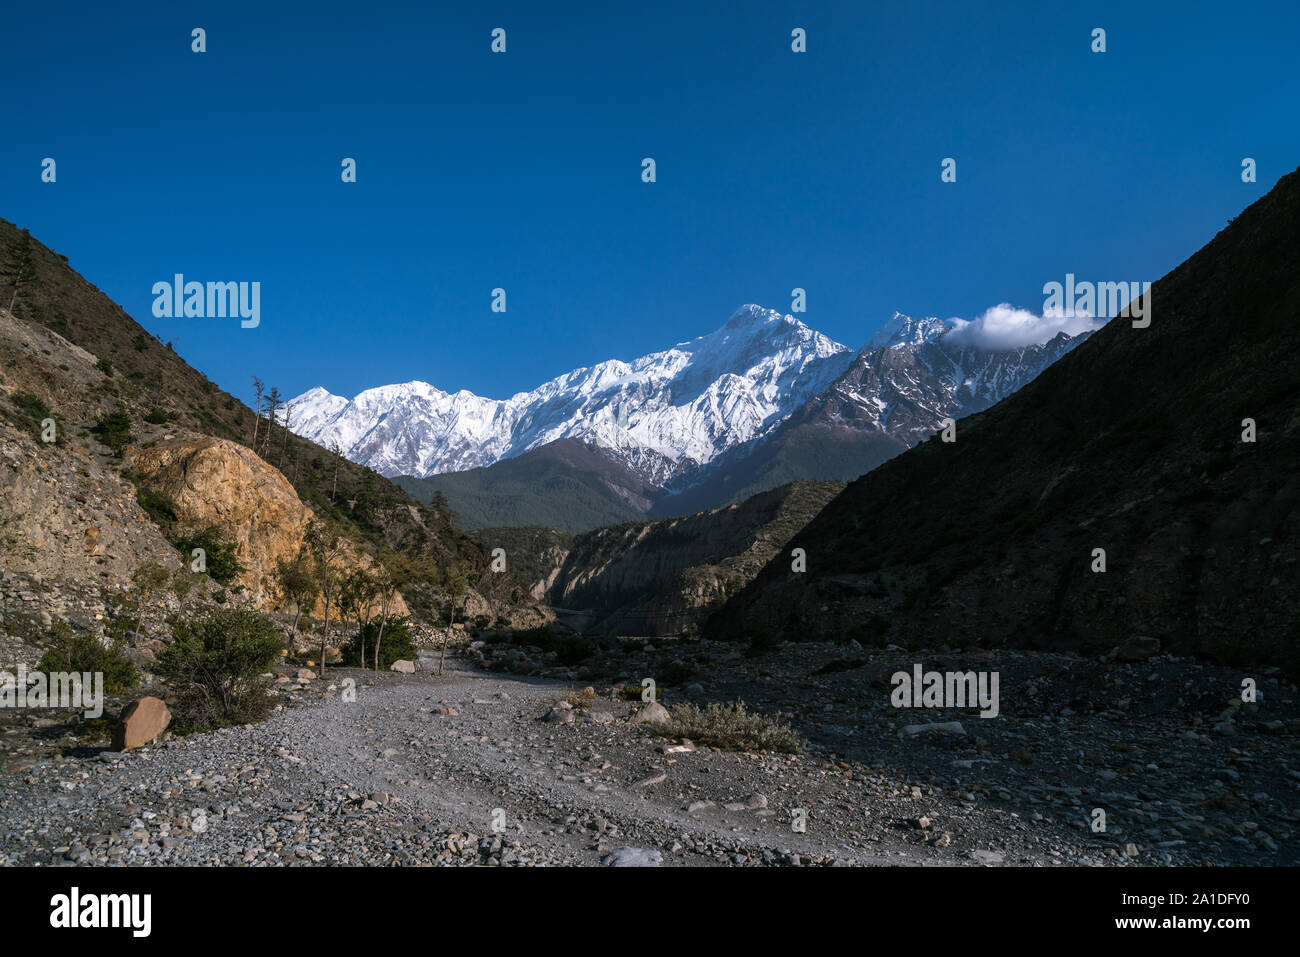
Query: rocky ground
{"points": [[467, 768]]}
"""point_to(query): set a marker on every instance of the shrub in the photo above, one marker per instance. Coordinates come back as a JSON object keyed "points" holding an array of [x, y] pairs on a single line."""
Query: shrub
{"points": [[69, 650], [105, 366], [398, 644], [158, 506], [214, 666], [156, 417], [674, 673], [220, 561], [732, 728], [115, 431], [573, 649], [31, 411], [569, 649], [580, 699]]}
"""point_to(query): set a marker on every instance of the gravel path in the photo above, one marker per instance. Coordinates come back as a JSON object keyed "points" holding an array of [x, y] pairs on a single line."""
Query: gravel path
{"points": [[463, 769]]}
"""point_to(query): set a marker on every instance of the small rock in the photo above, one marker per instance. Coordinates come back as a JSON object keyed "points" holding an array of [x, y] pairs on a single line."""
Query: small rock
{"points": [[632, 857], [652, 713], [946, 727]]}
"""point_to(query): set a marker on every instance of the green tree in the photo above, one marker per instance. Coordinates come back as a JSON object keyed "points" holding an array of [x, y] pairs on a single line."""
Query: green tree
{"points": [[328, 545], [357, 598], [220, 555], [296, 584], [385, 591]]}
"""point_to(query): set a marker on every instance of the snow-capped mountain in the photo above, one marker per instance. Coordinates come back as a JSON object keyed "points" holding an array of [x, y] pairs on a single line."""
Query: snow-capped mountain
{"points": [[896, 392], [919, 376], [756, 403], [659, 414]]}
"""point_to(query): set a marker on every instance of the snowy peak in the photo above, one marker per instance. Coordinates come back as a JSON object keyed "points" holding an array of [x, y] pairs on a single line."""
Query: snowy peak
{"points": [[669, 415], [903, 330], [659, 414]]}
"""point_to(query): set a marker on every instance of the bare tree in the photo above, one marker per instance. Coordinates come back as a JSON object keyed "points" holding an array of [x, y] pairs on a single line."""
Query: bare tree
{"points": [[385, 589], [284, 446], [259, 388], [328, 545], [338, 455], [456, 588], [274, 402]]}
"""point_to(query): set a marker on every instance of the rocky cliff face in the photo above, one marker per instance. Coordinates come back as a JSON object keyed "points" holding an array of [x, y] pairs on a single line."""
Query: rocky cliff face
{"points": [[217, 482]]}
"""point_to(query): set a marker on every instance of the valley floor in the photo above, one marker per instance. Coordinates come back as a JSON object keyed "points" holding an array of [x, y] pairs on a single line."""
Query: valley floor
{"points": [[413, 771]]}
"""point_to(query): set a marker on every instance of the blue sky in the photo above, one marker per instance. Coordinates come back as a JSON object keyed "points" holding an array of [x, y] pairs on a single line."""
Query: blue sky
{"points": [[523, 170]]}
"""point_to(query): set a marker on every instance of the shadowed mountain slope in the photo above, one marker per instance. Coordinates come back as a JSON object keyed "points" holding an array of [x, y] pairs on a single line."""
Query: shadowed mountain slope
{"points": [[1132, 443]]}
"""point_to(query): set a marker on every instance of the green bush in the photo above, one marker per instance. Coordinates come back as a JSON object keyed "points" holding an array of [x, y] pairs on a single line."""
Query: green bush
{"points": [[158, 506], [398, 644], [214, 666], [114, 430], [105, 366], [31, 411], [156, 417], [221, 562], [70, 650]]}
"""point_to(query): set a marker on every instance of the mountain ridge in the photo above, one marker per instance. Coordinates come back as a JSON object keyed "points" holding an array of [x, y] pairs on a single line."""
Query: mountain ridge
{"points": [[762, 401]]}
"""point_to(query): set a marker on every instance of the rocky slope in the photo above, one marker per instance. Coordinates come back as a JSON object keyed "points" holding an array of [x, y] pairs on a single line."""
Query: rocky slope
{"points": [[1132, 443], [72, 529], [658, 578]]}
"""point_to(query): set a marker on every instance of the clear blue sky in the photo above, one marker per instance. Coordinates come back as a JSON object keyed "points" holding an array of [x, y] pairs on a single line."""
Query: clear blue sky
{"points": [[522, 170]]}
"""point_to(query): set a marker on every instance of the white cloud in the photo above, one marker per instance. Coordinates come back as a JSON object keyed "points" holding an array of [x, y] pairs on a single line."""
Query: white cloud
{"points": [[1005, 327]]}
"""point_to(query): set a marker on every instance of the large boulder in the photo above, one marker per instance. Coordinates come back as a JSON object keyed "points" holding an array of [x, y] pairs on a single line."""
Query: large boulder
{"points": [[217, 482], [140, 722], [403, 666]]}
